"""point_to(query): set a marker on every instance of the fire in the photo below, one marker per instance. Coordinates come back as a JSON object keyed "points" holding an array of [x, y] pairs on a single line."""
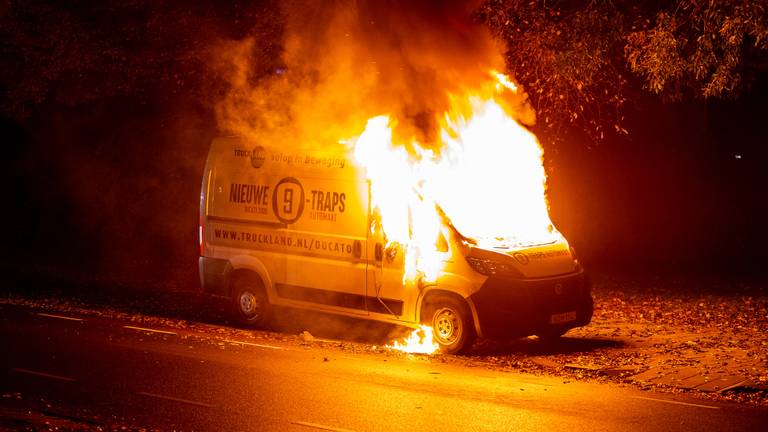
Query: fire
{"points": [[419, 341], [440, 145], [485, 175], [407, 217], [504, 81]]}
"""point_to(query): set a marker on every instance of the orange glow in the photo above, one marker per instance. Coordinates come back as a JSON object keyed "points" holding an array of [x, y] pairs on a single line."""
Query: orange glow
{"points": [[504, 81], [419, 341], [485, 174]]}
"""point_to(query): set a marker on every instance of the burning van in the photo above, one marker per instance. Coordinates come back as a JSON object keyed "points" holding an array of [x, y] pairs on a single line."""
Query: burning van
{"points": [[359, 229]]}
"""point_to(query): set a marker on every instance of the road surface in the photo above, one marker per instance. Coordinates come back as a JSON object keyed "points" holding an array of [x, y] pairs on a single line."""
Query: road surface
{"points": [[92, 371]]}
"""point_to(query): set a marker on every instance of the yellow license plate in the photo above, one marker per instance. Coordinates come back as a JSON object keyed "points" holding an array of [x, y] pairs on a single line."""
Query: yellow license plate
{"points": [[562, 317]]}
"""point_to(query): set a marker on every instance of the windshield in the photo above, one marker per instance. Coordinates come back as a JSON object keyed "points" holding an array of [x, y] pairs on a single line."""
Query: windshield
{"points": [[509, 241]]}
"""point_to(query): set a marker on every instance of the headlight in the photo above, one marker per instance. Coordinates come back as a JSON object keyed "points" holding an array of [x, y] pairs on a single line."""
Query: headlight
{"points": [[493, 268]]}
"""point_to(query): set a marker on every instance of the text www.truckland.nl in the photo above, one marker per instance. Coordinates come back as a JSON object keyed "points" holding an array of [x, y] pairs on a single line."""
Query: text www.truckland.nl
{"points": [[282, 240]]}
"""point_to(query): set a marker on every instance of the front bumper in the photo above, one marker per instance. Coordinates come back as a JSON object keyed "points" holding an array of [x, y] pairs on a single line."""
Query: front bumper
{"points": [[510, 308]]}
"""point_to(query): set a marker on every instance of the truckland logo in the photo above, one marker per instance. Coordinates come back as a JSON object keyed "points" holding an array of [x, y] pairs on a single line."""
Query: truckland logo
{"points": [[258, 156]]}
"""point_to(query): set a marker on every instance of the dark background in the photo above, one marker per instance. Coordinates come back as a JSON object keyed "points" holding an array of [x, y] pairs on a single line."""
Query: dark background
{"points": [[684, 192], [105, 188]]}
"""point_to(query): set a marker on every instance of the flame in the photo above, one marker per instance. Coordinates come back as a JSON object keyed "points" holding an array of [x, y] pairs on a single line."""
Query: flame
{"points": [[485, 174], [441, 147], [419, 341], [503, 81], [407, 218]]}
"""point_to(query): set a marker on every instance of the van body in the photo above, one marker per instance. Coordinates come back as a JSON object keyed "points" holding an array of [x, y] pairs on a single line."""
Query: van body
{"points": [[297, 229]]}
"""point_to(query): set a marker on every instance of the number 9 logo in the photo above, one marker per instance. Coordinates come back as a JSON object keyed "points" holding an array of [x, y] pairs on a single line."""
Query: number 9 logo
{"points": [[288, 200]]}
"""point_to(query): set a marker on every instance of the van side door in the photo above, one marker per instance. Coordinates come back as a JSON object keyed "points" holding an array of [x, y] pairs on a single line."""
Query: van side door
{"points": [[326, 220]]}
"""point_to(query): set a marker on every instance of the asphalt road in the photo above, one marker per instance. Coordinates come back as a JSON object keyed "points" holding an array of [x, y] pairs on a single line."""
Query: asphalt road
{"points": [[92, 371]]}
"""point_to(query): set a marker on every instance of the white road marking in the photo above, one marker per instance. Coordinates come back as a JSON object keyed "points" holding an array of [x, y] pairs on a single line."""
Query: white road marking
{"points": [[676, 402], [171, 398], [254, 344], [59, 317], [42, 374], [149, 330], [321, 427]]}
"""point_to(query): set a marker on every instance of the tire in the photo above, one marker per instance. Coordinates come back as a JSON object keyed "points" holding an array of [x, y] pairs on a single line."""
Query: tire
{"points": [[250, 306], [451, 324]]}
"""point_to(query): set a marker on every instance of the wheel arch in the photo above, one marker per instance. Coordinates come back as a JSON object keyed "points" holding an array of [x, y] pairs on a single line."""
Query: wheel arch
{"points": [[246, 266], [431, 294]]}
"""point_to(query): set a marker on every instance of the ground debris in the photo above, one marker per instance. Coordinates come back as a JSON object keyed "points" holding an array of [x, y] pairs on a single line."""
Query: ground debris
{"points": [[668, 336]]}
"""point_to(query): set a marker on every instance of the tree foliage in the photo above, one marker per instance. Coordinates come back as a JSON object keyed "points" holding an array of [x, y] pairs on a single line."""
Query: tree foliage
{"points": [[581, 62], [79, 51], [705, 48]]}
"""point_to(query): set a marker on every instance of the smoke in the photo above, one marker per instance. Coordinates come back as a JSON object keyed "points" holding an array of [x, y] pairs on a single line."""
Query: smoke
{"points": [[344, 62]]}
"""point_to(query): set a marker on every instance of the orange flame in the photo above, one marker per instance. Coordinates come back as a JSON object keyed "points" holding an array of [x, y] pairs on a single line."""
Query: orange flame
{"points": [[486, 176], [504, 81], [419, 341]]}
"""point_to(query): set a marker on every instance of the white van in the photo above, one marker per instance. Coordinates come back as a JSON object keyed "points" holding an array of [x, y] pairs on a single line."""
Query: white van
{"points": [[296, 229]]}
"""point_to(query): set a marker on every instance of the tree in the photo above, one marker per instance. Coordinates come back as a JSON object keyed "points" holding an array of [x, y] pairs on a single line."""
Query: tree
{"points": [[582, 61], [75, 52], [705, 48]]}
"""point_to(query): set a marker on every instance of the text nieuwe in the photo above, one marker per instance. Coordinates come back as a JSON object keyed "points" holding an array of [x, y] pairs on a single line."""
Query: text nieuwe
{"points": [[249, 193]]}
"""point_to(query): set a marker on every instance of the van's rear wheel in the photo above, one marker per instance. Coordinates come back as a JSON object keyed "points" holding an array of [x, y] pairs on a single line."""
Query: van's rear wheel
{"points": [[249, 301], [451, 324]]}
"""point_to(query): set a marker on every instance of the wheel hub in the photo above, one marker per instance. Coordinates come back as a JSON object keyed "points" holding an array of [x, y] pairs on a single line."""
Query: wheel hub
{"points": [[446, 326], [248, 303]]}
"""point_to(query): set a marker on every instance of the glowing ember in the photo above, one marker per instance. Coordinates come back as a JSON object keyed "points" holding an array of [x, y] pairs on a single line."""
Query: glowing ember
{"points": [[504, 81], [419, 341], [485, 174]]}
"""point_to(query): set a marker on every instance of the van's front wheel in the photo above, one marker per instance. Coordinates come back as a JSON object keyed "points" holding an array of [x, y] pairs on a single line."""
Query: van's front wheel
{"points": [[249, 301], [451, 324]]}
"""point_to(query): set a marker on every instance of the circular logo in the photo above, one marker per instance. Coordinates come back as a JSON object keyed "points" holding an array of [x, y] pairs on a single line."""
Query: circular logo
{"points": [[258, 156], [558, 288], [520, 257], [288, 200]]}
